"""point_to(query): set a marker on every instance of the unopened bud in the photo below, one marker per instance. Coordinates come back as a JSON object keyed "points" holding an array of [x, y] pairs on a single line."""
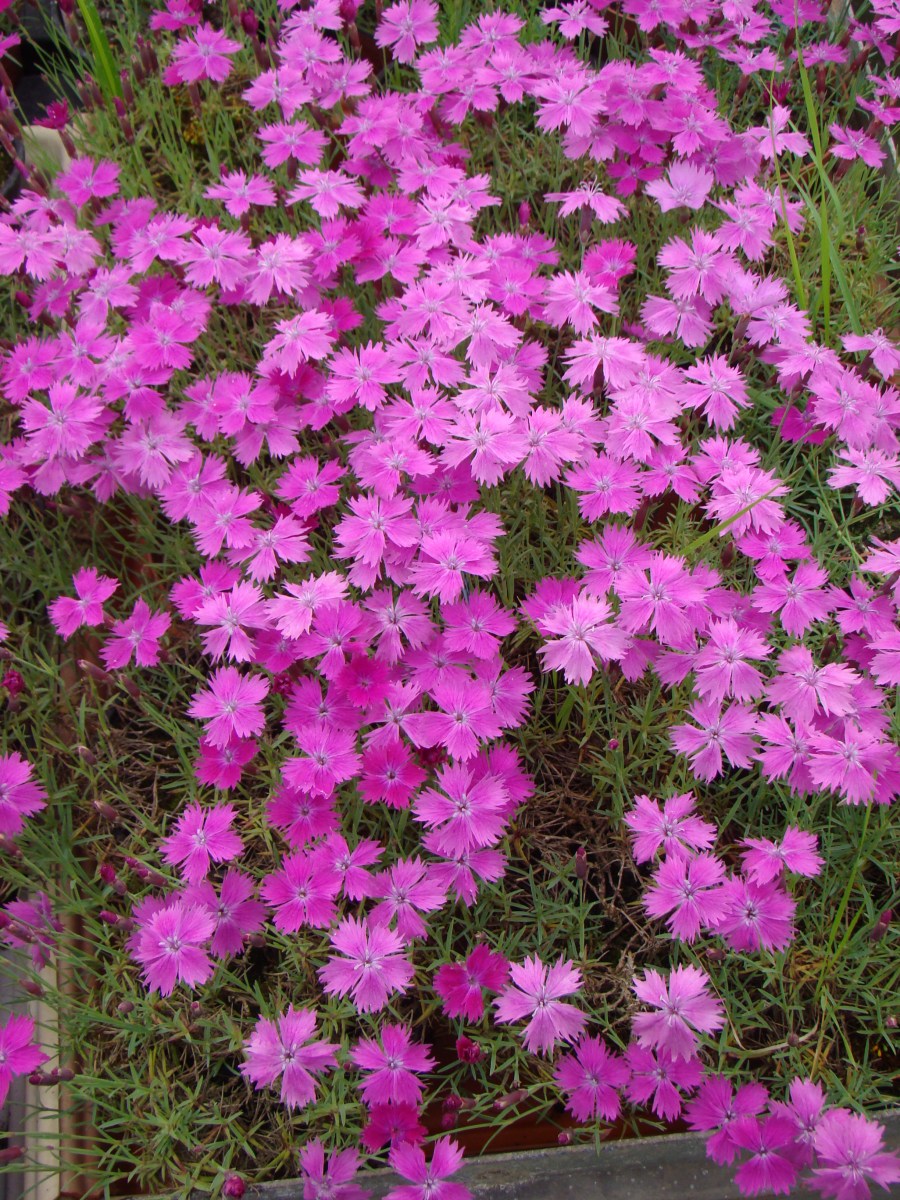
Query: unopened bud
{"points": [[468, 1051], [612, 744], [11, 1154], [125, 1007], [86, 756], [524, 213], [564, 1138], [510, 1100], [130, 687], [93, 671], [249, 22], [32, 987], [14, 683], [106, 811], [233, 1187]]}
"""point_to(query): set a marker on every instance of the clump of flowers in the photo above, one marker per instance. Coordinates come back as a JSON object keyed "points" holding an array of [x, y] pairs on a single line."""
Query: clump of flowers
{"points": [[343, 469]]}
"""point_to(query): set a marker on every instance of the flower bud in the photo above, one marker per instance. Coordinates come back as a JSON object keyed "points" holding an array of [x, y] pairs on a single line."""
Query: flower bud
{"points": [[524, 213], [106, 811], [130, 687], [468, 1051], [233, 1187], [125, 1007], [249, 22], [14, 683], [93, 671], [11, 1154], [564, 1138], [32, 987], [510, 1100], [86, 756], [612, 744]]}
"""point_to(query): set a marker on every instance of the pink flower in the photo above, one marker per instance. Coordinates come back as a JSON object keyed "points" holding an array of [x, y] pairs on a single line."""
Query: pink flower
{"points": [[391, 1066], [801, 599], [765, 860], [394, 1123], [329, 758], [409, 888], [370, 964], [673, 827], [203, 56], [716, 1106], [756, 916], [231, 705], [19, 1055], [685, 186], [721, 668], [850, 1152], [202, 836], [461, 985], [303, 892], [803, 689], [286, 1050], [727, 732], [591, 1077], [658, 1079], [586, 633], [684, 1008], [170, 944], [19, 796], [223, 766], [534, 993], [92, 590], [465, 719], [331, 1179], [235, 912], [689, 888], [853, 143], [429, 1180], [773, 1163], [467, 813], [139, 635], [405, 26]]}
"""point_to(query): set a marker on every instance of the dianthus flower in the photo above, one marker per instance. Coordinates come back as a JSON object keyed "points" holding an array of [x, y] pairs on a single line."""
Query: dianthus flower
{"points": [[716, 1106], [591, 1078], [200, 837], [850, 1152], [429, 1180], [405, 26], [19, 1055], [206, 55], [535, 993], [683, 1006], [773, 1163], [461, 986], [391, 1065], [236, 913], [659, 1079], [139, 636], [331, 1178], [755, 916], [170, 944], [689, 889], [586, 634], [231, 705], [673, 827], [285, 1049], [370, 964], [20, 797], [303, 891]]}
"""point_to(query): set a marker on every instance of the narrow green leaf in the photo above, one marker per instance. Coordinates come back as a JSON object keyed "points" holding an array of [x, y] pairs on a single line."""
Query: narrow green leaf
{"points": [[104, 65]]}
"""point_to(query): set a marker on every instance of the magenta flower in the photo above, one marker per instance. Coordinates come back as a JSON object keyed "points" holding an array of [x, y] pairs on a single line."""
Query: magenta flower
{"points": [[684, 1008], [465, 718], [397, 1124], [303, 892], [370, 964], [331, 1178], [206, 55], [20, 797], [756, 916], [202, 836], [223, 766], [286, 1050], [727, 732], [673, 827], [231, 705], [170, 944], [467, 813], [850, 1152], [853, 143], [391, 1066], [716, 1106], [773, 1163], [803, 689], [800, 599], [139, 636], [592, 1077], [766, 860], [92, 590], [586, 634], [329, 759], [689, 889], [461, 986], [659, 1080], [410, 887], [19, 1055], [428, 1180], [535, 993], [235, 911]]}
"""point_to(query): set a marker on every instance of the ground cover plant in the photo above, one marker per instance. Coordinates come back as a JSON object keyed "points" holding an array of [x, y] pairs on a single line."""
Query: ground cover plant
{"points": [[450, 589]]}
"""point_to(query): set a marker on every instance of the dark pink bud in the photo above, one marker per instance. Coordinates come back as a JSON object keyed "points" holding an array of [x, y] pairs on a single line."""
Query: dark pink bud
{"points": [[107, 873], [106, 811], [448, 1120], [23, 299], [250, 25], [452, 1104], [612, 744], [31, 987], [130, 687], [468, 1051], [110, 918], [93, 671], [524, 212], [564, 1138], [234, 1187], [67, 7], [66, 1075], [86, 756], [14, 683], [125, 1007], [11, 1154]]}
